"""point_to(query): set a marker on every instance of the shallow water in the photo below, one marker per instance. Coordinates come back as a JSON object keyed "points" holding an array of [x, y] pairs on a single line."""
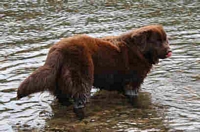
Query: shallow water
{"points": [[29, 28]]}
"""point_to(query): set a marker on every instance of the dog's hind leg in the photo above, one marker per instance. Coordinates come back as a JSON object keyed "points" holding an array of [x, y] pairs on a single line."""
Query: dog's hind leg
{"points": [[62, 98], [77, 81], [83, 81]]}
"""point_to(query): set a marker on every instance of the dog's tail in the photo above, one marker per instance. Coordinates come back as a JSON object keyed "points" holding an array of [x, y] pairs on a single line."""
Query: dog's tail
{"points": [[44, 78]]}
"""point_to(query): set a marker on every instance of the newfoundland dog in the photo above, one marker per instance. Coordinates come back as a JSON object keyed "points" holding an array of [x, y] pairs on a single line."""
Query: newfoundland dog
{"points": [[77, 63]]}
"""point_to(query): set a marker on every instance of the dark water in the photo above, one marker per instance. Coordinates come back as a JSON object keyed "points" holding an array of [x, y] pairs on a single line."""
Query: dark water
{"points": [[29, 28]]}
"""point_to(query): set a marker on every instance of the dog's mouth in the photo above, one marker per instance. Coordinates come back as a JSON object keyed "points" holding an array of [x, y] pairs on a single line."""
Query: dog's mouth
{"points": [[169, 54]]}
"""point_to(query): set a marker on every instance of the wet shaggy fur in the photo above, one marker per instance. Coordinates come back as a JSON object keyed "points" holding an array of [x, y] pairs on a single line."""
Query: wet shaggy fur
{"points": [[77, 63]]}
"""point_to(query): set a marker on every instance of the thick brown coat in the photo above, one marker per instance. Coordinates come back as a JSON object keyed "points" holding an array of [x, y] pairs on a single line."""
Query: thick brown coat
{"points": [[77, 63]]}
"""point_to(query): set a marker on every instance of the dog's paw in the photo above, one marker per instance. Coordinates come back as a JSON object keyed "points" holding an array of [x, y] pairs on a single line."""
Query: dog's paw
{"points": [[79, 113], [131, 93]]}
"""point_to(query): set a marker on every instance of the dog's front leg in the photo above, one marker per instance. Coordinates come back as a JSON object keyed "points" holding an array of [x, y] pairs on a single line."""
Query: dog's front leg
{"points": [[132, 93]]}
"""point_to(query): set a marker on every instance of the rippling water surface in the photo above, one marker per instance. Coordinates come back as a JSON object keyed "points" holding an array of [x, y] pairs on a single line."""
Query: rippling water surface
{"points": [[29, 28]]}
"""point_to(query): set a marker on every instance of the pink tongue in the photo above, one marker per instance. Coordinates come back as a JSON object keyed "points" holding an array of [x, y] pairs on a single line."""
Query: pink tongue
{"points": [[169, 54]]}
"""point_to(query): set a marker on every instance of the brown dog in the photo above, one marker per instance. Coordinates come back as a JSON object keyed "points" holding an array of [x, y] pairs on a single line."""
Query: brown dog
{"points": [[77, 63]]}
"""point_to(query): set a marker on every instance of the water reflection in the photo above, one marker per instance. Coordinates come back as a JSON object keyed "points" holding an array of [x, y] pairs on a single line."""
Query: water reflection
{"points": [[29, 28], [109, 111]]}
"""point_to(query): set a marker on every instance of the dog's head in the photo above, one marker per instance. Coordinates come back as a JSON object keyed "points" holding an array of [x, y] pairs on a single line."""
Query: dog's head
{"points": [[152, 41]]}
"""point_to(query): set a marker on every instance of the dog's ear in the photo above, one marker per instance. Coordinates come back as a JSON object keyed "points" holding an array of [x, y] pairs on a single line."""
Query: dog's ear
{"points": [[141, 38]]}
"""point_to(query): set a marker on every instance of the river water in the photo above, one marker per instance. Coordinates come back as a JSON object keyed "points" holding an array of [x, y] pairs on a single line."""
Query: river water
{"points": [[28, 28]]}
